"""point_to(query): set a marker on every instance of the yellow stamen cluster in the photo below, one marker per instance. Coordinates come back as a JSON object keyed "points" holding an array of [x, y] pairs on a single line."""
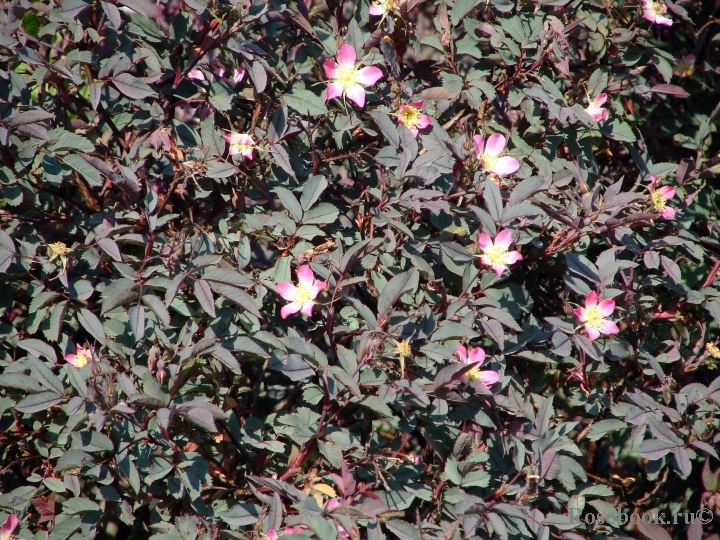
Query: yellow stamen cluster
{"points": [[403, 349], [713, 350], [489, 163], [81, 360], [303, 294], [659, 201], [240, 147], [410, 117], [594, 318], [347, 76], [496, 255], [58, 249], [474, 375]]}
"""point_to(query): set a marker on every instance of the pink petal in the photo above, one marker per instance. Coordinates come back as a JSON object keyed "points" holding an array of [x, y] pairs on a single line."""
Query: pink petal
{"points": [[592, 333], [307, 308], [649, 15], [506, 165], [238, 75], [667, 192], [461, 353], [488, 378], [604, 115], [418, 104], [331, 505], [356, 94], [591, 300], [504, 239], [579, 313], [653, 180], [248, 154], [424, 121], [346, 55], [289, 309], [485, 260], [484, 241], [369, 75], [495, 145], [272, 534], [668, 213], [477, 355], [663, 20], [499, 269], [609, 327], [9, 525], [606, 307], [70, 358], [305, 276], [513, 257], [600, 99], [414, 132], [377, 10], [334, 89], [479, 145], [196, 74], [286, 290], [330, 68], [317, 287]]}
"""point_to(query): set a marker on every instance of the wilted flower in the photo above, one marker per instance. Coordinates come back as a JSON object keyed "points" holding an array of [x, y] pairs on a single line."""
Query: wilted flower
{"points": [[654, 12], [196, 74], [80, 358], [347, 79], [489, 155], [496, 253], [595, 108], [384, 7], [58, 249], [302, 297], [412, 117], [7, 528], [475, 377], [659, 198], [593, 316], [240, 143], [685, 67]]}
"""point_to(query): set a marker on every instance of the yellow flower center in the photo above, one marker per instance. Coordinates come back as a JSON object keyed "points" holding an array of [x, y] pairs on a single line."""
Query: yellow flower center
{"points": [[58, 248], [403, 349], [81, 359], [489, 163], [659, 201], [303, 294], [347, 77], [496, 255], [656, 8], [410, 117], [713, 350], [389, 5], [594, 318], [474, 375], [241, 147]]}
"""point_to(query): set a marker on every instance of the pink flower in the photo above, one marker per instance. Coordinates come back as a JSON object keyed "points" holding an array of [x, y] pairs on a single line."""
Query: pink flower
{"points": [[593, 316], [238, 75], [196, 74], [271, 535], [496, 253], [659, 199], [654, 12], [412, 118], [79, 359], [595, 110], [7, 528], [489, 156], [475, 377], [383, 7], [240, 143], [302, 297], [347, 79]]}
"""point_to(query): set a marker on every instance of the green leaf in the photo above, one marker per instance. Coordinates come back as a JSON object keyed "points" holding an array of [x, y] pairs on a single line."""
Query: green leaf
{"points": [[92, 324], [305, 102], [41, 401], [462, 8], [38, 349], [394, 289], [132, 87]]}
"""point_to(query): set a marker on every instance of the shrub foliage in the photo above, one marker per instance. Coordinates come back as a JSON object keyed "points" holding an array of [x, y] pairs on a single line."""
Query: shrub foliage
{"points": [[337, 269]]}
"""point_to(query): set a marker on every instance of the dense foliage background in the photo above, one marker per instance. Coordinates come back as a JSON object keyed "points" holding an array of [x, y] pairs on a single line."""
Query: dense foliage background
{"points": [[150, 387]]}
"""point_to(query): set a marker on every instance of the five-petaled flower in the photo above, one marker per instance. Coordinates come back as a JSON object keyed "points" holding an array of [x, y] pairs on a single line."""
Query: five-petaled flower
{"points": [[80, 358], [347, 79], [489, 155], [7, 528], [240, 143], [384, 7], [496, 253], [302, 297], [476, 377], [659, 198], [594, 314], [595, 108], [655, 12], [412, 117]]}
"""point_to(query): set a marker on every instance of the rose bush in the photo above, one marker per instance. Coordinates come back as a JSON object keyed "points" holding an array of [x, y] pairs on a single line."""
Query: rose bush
{"points": [[362, 269]]}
